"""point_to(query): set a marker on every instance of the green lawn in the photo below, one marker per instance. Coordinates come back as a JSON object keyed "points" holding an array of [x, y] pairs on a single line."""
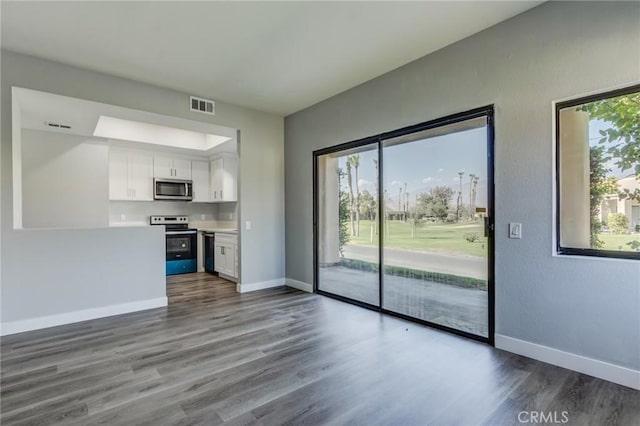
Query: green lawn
{"points": [[618, 241], [439, 237], [449, 238]]}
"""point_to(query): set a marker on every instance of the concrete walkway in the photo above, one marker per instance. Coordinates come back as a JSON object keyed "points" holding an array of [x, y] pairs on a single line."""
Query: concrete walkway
{"points": [[462, 265], [460, 308]]}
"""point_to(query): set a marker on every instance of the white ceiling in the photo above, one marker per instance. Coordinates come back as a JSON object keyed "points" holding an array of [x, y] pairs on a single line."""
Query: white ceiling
{"points": [[279, 57]]}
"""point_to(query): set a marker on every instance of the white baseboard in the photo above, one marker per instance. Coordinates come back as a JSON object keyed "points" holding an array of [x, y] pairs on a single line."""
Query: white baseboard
{"points": [[37, 323], [244, 288], [300, 285], [592, 367]]}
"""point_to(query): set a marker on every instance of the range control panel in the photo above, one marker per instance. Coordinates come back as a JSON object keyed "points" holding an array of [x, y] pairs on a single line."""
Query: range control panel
{"points": [[168, 220]]}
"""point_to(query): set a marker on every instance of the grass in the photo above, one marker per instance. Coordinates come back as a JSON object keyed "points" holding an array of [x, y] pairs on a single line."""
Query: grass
{"points": [[450, 238], [438, 237], [618, 241]]}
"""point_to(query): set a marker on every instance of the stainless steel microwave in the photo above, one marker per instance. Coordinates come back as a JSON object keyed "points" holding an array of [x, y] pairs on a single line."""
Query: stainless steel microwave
{"points": [[172, 189]]}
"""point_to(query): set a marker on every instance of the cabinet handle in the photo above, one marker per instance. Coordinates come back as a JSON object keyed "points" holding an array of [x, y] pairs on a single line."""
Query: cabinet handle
{"points": [[221, 195]]}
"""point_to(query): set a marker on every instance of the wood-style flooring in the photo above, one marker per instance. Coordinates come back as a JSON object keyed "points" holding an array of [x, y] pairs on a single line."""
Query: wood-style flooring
{"points": [[281, 356]]}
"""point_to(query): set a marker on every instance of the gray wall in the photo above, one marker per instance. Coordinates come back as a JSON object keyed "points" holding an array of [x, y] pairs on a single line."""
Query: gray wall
{"points": [[261, 197], [65, 181], [52, 272], [589, 307]]}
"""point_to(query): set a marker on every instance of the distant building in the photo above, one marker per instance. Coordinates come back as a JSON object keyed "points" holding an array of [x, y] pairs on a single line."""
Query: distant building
{"points": [[631, 208]]}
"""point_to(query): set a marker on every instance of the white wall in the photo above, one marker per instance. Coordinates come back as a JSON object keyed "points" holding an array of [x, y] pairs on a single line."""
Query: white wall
{"points": [[52, 274], [261, 198], [587, 307], [64, 181], [138, 212]]}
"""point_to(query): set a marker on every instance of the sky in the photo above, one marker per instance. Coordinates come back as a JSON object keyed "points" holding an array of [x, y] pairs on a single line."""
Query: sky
{"points": [[427, 163], [436, 161], [594, 137]]}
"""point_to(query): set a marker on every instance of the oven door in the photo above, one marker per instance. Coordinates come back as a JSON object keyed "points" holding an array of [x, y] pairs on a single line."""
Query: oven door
{"points": [[181, 245]]}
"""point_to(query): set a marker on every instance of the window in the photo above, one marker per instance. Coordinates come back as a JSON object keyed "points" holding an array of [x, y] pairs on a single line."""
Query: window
{"points": [[598, 175]]}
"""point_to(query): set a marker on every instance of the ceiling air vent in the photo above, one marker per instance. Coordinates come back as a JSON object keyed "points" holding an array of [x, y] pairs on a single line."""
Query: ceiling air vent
{"points": [[57, 125], [202, 105]]}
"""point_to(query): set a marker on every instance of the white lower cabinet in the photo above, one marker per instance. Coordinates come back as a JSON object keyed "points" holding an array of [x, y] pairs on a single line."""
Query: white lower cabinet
{"points": [[226, 254]]}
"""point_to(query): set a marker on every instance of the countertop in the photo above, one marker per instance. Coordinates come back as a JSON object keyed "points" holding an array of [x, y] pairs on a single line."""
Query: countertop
{"points": [[219, 230]]}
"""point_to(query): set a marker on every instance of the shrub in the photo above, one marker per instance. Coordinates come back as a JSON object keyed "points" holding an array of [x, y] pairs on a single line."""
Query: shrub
{"points": [[399, 271], [472, 237], [618, 223]]}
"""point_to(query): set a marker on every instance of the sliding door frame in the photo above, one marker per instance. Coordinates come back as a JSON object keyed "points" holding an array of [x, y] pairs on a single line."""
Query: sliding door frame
{"points": [[485, 111]]}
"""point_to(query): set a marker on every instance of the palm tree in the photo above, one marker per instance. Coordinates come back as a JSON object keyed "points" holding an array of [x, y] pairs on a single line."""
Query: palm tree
{"points": [[459, 203], [350, 183], [471, 178], [476, 179], [377, 199], [355, 161]]}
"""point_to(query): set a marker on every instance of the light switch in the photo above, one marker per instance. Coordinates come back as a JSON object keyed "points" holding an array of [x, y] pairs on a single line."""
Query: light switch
{"points": [[515, 230], [123, 217], [202, 217], [247, 225]]}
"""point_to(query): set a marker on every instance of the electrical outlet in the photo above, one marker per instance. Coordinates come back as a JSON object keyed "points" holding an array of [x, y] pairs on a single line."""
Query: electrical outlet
{"points": [[247, 225], [515, 230], [202, 217], [123, 217]]}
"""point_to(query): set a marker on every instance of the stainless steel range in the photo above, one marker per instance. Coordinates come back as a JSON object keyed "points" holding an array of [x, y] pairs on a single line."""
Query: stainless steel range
{"points": [[181, 245]]}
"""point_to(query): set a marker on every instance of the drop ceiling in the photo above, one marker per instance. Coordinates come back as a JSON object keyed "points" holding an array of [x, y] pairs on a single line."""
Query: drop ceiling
{"points": [[278, 57]]}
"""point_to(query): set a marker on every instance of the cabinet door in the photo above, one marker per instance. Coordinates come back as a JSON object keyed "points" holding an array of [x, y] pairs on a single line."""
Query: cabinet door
{"points": [[181, 169], [201, 181], [118, 189], [163, 167], [236, 263], [229, 172], [219, 258], [140, 177], [216, 178]]}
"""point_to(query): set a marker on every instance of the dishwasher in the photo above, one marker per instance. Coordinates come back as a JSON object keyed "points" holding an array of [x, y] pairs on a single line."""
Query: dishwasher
{"points": [[209, 260]]}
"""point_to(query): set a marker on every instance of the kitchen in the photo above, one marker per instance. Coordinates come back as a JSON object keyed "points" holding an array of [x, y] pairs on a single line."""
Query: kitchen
{"points": [[64, 260], [93, 165]]}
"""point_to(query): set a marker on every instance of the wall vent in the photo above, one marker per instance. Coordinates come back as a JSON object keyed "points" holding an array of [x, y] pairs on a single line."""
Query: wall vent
{"points": [[57, 125], [202, 105]]}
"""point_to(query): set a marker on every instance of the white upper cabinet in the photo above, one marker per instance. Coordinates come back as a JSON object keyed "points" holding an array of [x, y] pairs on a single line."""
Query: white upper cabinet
{"points": [[130, 176], [224, 171], [140, 176], [201, 182], [171, 168], [182, 168]]}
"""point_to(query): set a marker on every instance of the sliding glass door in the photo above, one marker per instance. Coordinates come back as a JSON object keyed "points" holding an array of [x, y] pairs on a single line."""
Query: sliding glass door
{"points": [[435, 242], [403, 223], [347, 250]]}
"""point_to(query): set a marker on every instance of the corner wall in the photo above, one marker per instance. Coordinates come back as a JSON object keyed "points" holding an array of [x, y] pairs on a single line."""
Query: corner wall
{"points": [[579, 306]]}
